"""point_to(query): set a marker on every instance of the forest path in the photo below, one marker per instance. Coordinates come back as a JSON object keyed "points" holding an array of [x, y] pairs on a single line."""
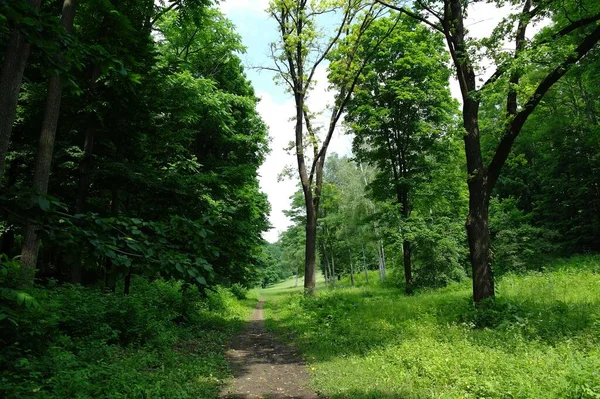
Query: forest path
{"points": [[263, 367]]}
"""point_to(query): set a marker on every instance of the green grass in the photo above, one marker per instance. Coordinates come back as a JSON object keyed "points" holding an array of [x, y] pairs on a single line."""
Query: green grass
{"points": [[540, 339]]}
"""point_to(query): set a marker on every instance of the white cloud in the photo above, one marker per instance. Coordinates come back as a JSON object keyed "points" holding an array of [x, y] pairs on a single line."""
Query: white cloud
{"points": [[277, 117], [281, 131]]}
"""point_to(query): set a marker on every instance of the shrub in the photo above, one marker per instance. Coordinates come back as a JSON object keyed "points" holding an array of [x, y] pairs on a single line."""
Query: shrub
{"points": [[517, 245], [163, 340], [239, 291]]}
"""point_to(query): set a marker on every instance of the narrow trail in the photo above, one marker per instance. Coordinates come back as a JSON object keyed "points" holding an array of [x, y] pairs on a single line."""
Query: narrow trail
{"points": [[264, 367]]}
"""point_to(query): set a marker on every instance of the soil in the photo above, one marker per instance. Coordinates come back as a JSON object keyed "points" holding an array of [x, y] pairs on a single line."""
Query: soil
{"points": [[264, 367]]}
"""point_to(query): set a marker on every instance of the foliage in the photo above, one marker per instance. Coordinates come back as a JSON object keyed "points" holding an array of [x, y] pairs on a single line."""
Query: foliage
{"points": [[12, 300], [170, 183], [162, 340], [518, 246]]}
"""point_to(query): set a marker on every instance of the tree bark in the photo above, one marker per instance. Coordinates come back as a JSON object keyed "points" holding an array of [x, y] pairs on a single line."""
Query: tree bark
{"points": [[326, 266], [310, 253], [406, 249], [365, 264], [127, 282], [16, 54], [45, 151], [110, 279], [333, 275], [351, 268]]}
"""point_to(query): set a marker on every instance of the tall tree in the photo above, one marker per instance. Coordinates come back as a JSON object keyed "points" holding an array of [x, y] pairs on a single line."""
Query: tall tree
{"points": [[11, 76], [300, 50], [45, 151], [401, 115], [573, 34]]}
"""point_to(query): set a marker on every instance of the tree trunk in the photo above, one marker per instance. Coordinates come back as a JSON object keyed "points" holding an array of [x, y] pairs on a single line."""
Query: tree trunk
{"points": [[406, 249], [478, 232], [45, 151], [310, 255], [479, 240], [381, 262], [326, 266], [16, 54], [127, 282], [383, 267], [8, 238], [110, 279], [333, 275], [365, 265], [351, 269]]}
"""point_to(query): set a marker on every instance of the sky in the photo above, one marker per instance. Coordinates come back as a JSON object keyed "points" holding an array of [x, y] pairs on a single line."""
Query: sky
{"points": [[277, 107]]}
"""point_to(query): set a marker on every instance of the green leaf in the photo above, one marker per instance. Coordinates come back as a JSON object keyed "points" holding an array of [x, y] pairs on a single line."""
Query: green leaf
{"points": [[43, 203], [201, 280], [21, 296]]}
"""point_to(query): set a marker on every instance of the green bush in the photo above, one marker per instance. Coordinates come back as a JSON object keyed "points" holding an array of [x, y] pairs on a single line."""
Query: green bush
{"points": [[517, 245], [239, 291], [163, 340]]}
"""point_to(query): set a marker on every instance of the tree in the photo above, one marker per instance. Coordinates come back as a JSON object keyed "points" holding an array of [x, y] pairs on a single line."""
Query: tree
{"points": [[172, 188], [11, 75], [573, 34], [296, 56], [43, 160], [401, 116]]}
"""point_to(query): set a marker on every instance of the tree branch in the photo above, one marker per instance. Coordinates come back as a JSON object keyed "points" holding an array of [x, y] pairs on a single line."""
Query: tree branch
{"points": [[412, 14], [516, 125]]}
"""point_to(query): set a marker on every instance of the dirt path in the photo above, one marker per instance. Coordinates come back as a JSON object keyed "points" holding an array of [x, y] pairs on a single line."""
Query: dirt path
{"points": [[264, 367]]}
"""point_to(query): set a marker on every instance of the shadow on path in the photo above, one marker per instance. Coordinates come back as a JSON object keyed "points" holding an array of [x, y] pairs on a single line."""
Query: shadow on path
{"points": [[263, 367]]}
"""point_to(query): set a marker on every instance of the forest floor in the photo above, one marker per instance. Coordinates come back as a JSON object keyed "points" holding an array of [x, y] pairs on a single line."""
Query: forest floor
{"points": [[263, 366]]}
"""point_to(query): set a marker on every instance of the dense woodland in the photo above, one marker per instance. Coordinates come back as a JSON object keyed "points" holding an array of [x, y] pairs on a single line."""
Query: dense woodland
{"points": [[132, 217]]}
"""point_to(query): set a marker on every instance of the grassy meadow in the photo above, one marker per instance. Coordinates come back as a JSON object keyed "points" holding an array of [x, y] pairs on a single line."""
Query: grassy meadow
{"points": [[539, 339]]}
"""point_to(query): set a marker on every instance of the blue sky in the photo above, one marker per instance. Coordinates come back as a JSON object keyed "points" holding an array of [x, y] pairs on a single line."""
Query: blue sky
{"points": [[276, 106]]}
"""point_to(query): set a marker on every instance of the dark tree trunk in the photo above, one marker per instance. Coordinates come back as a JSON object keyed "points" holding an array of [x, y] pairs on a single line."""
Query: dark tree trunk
{"points": [[8, 238], [310, 253], [478, 235], [406, 248], [44, 154], [16, 54], [333, 274], [402, 194], [110, 278], [478, 232], [127, 283], [365, 265]]}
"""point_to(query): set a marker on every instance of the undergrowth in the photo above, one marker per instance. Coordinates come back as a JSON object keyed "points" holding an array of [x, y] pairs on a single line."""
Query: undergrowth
{"points": [[539, 339], [161, 341]]}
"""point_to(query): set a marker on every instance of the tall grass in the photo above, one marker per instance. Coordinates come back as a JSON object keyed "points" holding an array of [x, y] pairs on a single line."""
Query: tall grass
{"points": [[539, 339]]}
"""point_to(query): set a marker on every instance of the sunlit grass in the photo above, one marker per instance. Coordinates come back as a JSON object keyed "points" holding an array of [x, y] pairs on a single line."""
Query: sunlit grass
{"points": [[540, 339]]}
